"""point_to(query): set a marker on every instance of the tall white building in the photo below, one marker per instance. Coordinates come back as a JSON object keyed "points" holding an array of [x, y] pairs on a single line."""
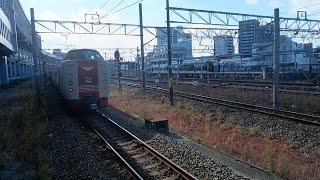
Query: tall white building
{"points": [[223, 45]]}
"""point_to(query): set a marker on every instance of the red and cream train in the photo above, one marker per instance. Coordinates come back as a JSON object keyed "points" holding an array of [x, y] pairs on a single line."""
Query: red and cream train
{"points": [[83, 80]]}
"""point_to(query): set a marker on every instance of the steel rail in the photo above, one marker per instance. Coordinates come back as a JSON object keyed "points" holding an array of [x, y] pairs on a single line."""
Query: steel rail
{"points": [[295, 89], [130, 169], [184, 174], [290, 115]]}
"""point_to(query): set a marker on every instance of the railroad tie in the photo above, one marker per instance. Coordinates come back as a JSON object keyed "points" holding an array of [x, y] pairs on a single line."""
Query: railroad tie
{"points": [[160, 172], [139, 155]]}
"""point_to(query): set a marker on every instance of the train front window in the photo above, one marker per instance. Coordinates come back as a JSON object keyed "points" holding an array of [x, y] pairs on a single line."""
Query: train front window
{"points": [[92, 55]]}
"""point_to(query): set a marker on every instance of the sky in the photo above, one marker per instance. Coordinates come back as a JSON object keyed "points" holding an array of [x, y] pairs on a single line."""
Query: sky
{"points": [[154, 14]]}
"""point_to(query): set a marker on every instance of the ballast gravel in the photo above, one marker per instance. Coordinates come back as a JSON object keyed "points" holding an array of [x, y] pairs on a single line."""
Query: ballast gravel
{"points": [[190, 159], [73, 151]]}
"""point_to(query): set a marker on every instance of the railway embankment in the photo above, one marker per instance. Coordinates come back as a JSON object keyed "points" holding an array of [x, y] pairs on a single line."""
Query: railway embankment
{"points": [[289, 150]]}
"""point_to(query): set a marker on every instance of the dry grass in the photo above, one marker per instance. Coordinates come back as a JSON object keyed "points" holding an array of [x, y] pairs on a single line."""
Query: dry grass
{"points": [[210, 128]]}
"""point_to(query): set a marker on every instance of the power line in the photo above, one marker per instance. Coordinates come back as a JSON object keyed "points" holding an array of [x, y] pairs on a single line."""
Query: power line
{"points": [[108, 14], [127, 6], [300, 8], [314, 14], [116, 6], [104, 4]]}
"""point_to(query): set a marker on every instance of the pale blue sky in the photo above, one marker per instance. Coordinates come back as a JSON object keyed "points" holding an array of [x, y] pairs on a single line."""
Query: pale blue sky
{"points": [[153, 14]]}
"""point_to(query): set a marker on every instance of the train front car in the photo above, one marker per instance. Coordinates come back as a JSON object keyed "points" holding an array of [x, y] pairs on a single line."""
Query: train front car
{"points": [[85, 80]]}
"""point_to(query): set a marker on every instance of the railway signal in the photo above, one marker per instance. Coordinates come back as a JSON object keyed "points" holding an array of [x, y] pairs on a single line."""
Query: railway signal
{"points": [[117, 57]]}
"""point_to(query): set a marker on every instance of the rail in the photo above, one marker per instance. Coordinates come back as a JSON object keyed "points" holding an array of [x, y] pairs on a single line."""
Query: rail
{"points": [[289, 115], [134, 153]]}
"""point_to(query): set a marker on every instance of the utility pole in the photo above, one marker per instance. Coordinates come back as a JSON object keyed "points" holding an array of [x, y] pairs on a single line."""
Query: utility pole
{"points": [[208, 77], [201, 77], [169, 56], [138, 66], [276, 59], [35, 55], [142, 49]]}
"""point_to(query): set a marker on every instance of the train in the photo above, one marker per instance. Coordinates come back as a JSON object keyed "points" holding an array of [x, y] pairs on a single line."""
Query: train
{"points": [[83, 79]]}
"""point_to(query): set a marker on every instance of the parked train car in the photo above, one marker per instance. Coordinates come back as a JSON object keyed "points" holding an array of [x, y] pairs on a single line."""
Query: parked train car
{"points": [[83, 79]]}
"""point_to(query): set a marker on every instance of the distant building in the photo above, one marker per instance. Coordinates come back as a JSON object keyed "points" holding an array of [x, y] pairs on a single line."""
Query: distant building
{"points": [[181, 44], [223, 45], [248, 35], [57, 53], [265, 33], [162, 38], [180, 40], [263, 53], [177, 34]]}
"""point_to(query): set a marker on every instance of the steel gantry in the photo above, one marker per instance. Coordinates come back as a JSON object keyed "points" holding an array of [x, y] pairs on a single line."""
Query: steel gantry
{"points": [[103, 28], [299, 27]]}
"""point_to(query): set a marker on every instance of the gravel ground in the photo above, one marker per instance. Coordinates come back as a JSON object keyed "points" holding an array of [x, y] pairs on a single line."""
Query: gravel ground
{"points": [[73, 151], [182, 154]]}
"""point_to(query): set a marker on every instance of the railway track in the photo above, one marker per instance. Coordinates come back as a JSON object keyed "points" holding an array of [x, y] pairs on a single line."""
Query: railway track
{"points": [[141, 161], [234, 81], [293, 88], [289, 115]]}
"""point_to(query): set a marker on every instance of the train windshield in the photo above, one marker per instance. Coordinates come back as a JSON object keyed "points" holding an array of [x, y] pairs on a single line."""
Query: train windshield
{"points": [[93, 55], [84, 55]]}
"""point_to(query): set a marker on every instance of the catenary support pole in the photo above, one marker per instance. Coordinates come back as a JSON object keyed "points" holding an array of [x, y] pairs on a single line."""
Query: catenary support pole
{"points": [[276, 59], [169, 56], [35, 55], [208, 75], [142, 50], [138, 65], [119, 75]]}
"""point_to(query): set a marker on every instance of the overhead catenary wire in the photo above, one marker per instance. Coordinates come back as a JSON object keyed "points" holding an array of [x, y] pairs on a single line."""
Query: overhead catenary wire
{"points": [[108, 14], [314, 14], [104, 4], [316, 4], [116, 6]]}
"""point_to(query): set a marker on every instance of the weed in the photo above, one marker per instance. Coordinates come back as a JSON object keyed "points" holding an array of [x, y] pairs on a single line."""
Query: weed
{"points": [[254, 131], [221, 121], [270, 161], [219, 116], [270, 135], [44, 170]]}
